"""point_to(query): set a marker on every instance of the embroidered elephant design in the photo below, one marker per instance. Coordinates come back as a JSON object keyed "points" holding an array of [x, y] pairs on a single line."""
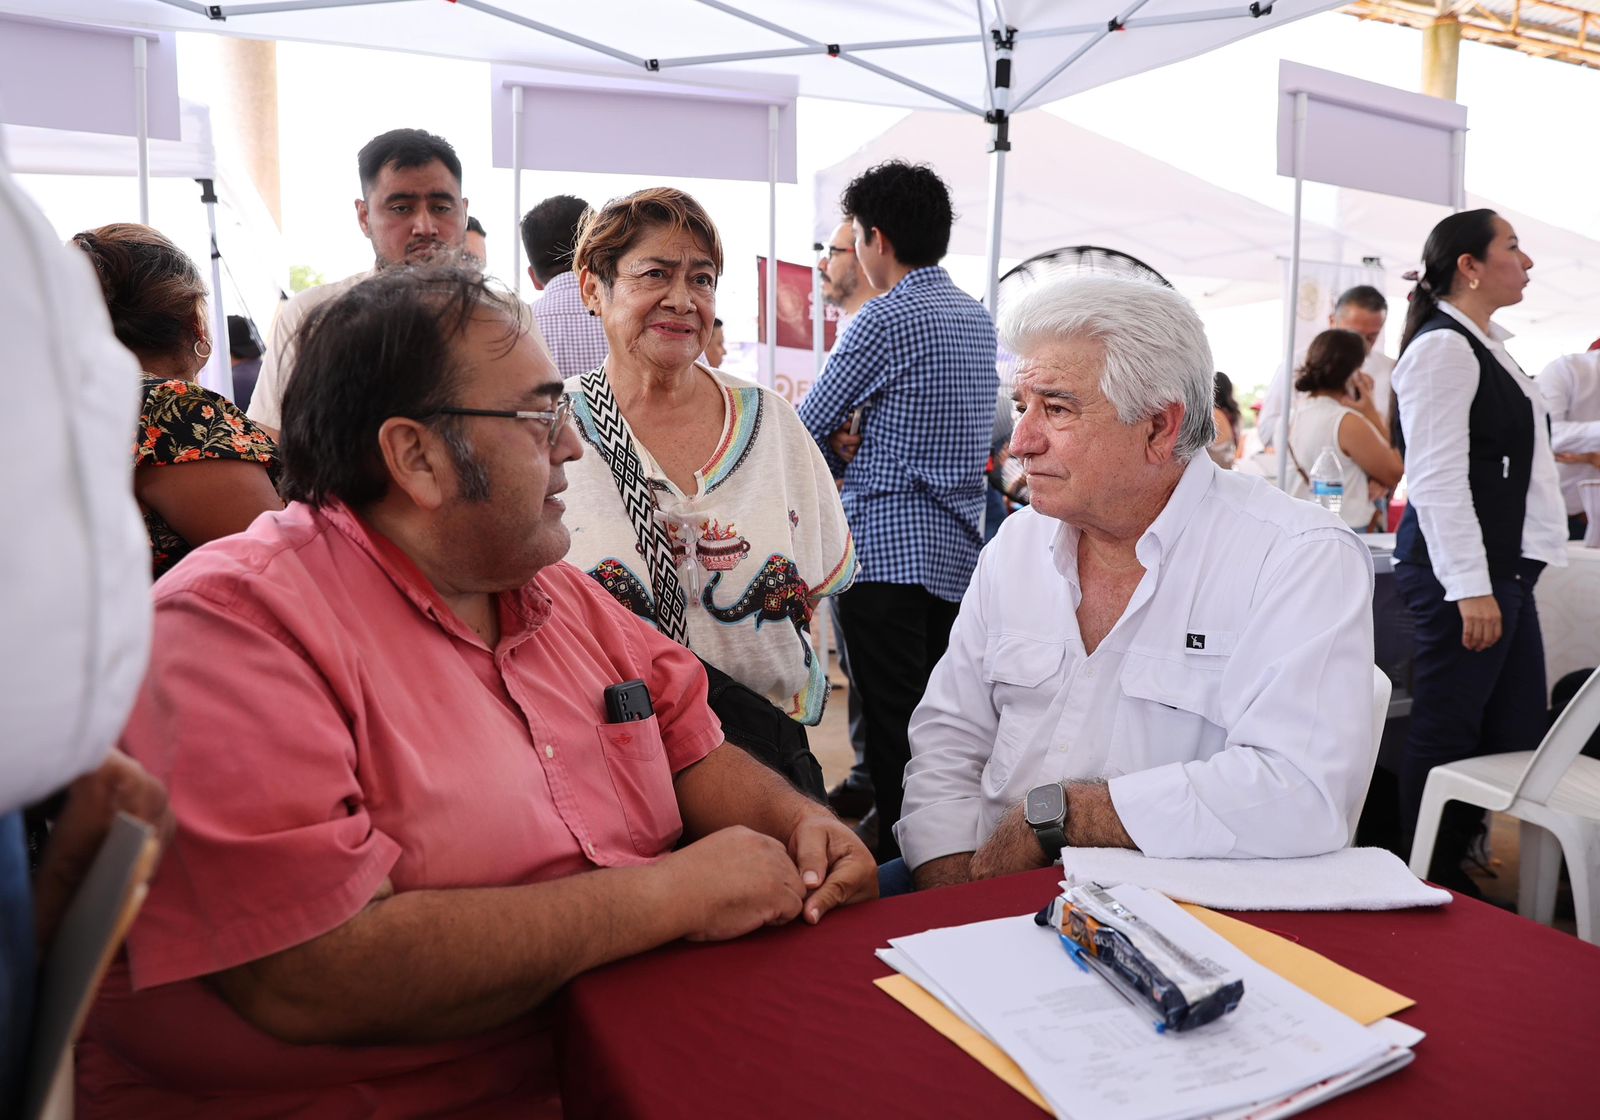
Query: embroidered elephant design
{"points": [[625, 588], [777, 592]]}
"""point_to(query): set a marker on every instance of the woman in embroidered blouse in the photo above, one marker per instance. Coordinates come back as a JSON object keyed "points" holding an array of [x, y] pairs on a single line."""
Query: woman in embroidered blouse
{"points": [[1485, 516], [745, 531], [158, 311]]}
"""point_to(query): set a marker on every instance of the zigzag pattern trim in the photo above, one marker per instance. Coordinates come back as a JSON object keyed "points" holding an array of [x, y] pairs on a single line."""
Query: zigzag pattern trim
{"points": [[616, 447]]}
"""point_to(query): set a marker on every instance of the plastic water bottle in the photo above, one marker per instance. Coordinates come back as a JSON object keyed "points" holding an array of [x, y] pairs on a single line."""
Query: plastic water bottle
{"points": [[1327, 480]]}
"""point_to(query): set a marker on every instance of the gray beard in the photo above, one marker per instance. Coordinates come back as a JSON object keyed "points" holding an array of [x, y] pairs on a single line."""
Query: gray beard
{"points": [[837, 294]]}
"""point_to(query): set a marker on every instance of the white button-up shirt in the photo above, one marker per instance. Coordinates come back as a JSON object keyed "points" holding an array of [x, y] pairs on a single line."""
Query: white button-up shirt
{"points": [[1230, 707], [1435, 382], [266, 401], [74, 586], [1570, 386]]}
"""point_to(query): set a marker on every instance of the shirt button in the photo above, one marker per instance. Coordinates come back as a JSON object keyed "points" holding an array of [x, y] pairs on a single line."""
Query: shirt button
{"points": [[590, 846], [549, 751]]}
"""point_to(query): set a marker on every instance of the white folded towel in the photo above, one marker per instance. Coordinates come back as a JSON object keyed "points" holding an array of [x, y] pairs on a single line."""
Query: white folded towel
{"points": [[1350, 879]]}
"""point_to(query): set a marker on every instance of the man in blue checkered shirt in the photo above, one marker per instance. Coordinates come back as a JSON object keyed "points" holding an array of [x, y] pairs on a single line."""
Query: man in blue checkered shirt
{"points": [[571, 333], [914, 375]]}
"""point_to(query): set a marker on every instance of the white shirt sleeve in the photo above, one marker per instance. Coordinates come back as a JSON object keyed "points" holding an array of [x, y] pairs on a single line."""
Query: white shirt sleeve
{"points": [[952, 734], [76, 612], [1270, 417], [1558, 384], [1435, 382], [1295, 699], [266, 402]]}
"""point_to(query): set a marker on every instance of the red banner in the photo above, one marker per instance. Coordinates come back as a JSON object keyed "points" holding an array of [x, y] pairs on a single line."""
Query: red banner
{"points": [[794, 307]]}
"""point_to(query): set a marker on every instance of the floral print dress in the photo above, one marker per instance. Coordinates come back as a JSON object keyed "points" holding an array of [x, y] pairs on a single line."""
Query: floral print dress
{"points": [[181, 422]]}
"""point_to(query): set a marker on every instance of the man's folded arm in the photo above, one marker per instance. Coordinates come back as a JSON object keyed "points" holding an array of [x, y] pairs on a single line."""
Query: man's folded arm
{"points": [[438, 964], [1297, 705]]}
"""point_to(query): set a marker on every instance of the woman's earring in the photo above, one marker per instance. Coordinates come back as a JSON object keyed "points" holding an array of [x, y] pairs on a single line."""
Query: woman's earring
{"points": [[206, 356], [1473, 284], [592, 311]]}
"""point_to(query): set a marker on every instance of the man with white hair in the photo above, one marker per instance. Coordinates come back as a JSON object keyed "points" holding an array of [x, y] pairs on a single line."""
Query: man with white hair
{"points": [[1158, 654]]}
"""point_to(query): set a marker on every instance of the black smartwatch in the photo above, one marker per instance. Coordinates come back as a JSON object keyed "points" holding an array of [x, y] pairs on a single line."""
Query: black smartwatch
{"points": [[1046, 813]]}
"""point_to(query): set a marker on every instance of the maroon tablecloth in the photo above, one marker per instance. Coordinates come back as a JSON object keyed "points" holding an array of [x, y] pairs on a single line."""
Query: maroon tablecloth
{"points": [[787, 1023]]}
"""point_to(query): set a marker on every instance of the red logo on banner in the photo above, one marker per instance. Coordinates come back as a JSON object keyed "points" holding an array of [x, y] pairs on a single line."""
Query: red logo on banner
{"points": [[794, 307]]}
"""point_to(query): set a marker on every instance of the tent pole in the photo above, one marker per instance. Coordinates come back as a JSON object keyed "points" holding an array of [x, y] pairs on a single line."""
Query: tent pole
{"points": [[1110, 28], [1005, 39], [1291, 298], [555, 32], [772, 245], [516, 189], [218, 374], [819, 313], [141, 118], [1458, 150], [798, 52], [833, 50]]}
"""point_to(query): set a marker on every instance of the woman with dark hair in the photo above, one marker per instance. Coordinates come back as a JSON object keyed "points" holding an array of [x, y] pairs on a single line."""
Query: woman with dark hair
{"points": [[1485, 517], [158, 311], [1340, 414], [705, 506], [1226, 448]]}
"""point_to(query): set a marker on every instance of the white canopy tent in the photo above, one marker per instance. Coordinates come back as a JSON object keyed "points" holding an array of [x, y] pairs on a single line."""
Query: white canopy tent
{"points": [[1069, 186], [1560, 310], [987, 58], [235, 213]]}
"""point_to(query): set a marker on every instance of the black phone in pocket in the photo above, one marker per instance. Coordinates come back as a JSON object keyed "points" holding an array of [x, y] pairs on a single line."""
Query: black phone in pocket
{"points": [[628, 702]]}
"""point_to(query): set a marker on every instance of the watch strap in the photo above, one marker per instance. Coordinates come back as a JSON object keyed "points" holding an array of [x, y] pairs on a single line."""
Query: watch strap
{"points": [[1052, 838]]}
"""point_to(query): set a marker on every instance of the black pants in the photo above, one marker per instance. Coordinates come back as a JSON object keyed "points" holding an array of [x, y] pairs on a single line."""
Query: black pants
{"points": [[896, 633], [1466, 704]]}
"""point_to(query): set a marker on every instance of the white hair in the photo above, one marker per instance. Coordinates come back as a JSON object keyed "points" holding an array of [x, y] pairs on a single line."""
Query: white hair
{"points": [[1156, 351]]}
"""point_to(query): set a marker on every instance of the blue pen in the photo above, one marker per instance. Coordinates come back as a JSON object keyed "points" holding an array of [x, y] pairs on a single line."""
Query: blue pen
{"points": [[1080, 957]]}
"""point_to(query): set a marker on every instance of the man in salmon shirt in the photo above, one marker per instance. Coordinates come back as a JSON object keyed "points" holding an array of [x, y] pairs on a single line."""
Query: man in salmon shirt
{"points": [[405, 813]]}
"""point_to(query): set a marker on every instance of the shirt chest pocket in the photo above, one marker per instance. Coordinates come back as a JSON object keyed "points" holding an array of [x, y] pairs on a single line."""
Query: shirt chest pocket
{"points": [[636, 761], [1170, 709], [1023, 676]]}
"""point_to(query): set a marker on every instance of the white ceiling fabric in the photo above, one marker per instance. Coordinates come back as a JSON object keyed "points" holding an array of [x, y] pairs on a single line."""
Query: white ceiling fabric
{"points": [[1563, 295], [1068, 186], [668, 30]]}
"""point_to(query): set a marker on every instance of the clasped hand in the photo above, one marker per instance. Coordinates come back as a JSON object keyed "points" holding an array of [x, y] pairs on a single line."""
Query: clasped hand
{"points": [[747, 879]]}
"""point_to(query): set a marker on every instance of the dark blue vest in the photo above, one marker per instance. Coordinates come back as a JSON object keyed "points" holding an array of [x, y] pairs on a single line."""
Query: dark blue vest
{"points": [[1499, 460]]}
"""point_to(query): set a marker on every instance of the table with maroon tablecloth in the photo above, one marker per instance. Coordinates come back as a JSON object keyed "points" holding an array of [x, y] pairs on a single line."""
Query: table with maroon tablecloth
{"points": [[787, 1023]]}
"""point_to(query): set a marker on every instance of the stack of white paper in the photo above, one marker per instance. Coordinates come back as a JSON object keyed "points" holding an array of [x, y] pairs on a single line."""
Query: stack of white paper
{"points": [[1093, 1056]]}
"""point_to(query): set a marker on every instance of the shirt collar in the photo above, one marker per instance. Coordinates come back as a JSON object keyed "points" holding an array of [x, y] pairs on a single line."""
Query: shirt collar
{"points": [[522, 610], [920, 277], [1156, 542], [1497, 333], [561, 283]]}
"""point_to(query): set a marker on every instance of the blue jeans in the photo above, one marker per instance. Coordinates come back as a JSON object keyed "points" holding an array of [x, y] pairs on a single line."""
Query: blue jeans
{"points": [[894, 878], [16, 959]]}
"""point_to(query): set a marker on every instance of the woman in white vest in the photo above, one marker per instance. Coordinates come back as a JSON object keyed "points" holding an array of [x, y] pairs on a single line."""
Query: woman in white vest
{"points": [[1341, 415]]}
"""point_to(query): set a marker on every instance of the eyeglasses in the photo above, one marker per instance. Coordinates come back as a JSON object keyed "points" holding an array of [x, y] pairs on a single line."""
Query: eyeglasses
{"points": [[557, 419], [835, 250]]}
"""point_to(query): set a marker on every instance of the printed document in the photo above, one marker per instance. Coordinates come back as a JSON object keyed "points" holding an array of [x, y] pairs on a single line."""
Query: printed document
{"points": [[1094, 1056]]}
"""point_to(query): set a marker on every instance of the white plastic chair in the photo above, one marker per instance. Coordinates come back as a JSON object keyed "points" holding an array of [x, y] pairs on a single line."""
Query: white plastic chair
{"points": [[1382, 688], [1554, 791]]}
